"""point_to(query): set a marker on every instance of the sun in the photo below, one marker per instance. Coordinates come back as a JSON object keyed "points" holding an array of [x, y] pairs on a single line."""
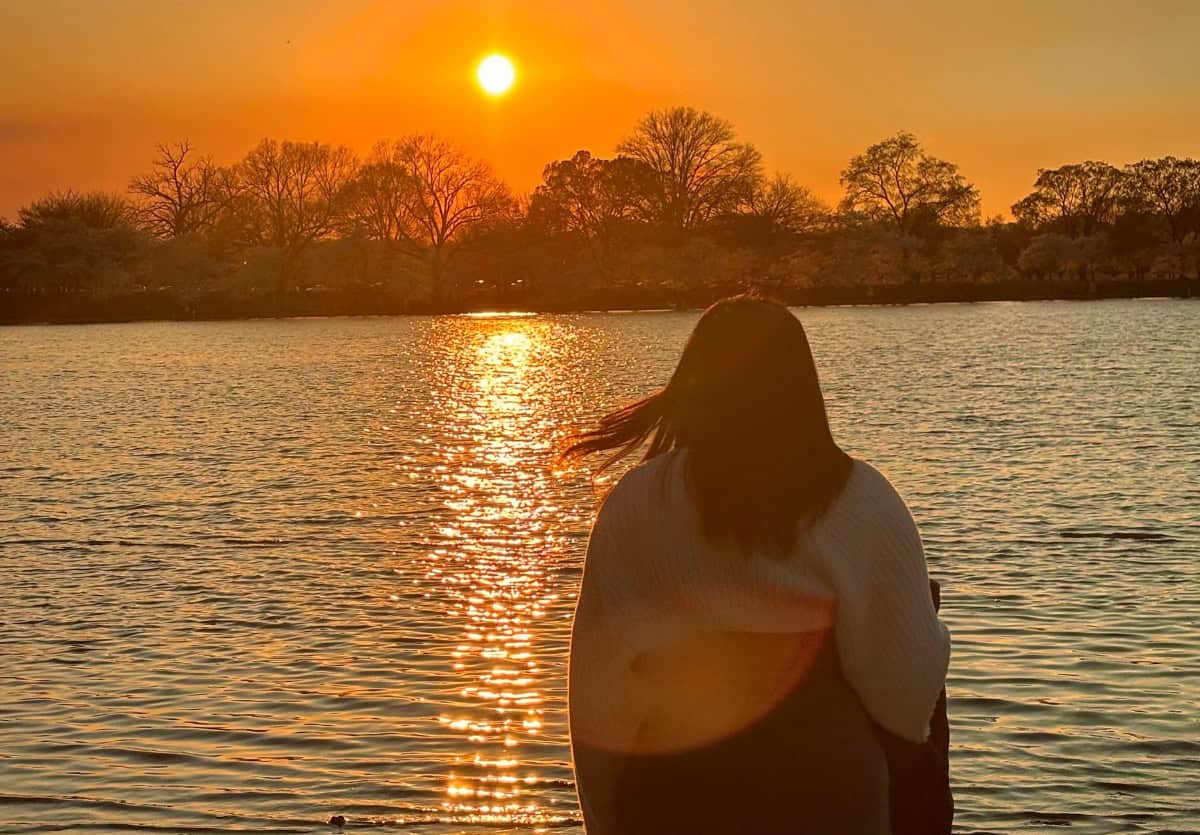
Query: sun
{"points": [[496, 75]]}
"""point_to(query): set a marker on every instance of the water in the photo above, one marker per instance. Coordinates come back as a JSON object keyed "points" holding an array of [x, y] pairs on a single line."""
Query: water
{"points": [[261, 573]]}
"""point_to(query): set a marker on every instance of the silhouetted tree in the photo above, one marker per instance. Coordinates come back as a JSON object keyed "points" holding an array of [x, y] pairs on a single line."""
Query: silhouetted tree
{"points": [[1137, 236], [970, 255], [293, 192], [447, 193], [1170, 189], [787, 206], [588, 196], [1076, 200], [9, 246], [363, 266], [595, 205], [183, 193], [700, 170], [71, 242], [1054, 255], [897, 182], [682, 214], [96, 209], [379, 200], [874, 254], [1049, 255], [773, 224]]}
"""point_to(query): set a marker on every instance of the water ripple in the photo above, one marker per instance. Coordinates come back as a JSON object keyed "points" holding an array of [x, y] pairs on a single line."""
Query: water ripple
{"points": [[263, 573]]}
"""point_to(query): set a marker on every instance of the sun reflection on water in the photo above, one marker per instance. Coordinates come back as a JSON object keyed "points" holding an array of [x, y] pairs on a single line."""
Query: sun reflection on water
{"points": [[493, 566]]}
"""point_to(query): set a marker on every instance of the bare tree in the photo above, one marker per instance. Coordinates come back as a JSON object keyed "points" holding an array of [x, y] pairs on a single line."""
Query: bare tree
{"points": [[1170, 188], [378, 200], [700, 170], [183, 193], [896, 181], [294, 191], [787, 206], [1074, 199], [446, 194]]}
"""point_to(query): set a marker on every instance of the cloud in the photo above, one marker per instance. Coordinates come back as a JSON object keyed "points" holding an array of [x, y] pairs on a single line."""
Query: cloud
{"points": [[17, 131]]}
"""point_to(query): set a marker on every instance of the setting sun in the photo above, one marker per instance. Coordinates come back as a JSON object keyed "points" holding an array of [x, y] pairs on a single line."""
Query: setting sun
{"points": [[496, 74]]}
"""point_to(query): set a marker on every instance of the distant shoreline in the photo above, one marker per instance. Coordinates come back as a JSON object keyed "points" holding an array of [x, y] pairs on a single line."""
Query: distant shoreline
{"points": [[82, 309]]}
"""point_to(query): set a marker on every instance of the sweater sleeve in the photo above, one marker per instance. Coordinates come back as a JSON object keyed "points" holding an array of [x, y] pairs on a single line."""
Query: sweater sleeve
{"points": [[602, 708], [602, 720], [894, 650]]}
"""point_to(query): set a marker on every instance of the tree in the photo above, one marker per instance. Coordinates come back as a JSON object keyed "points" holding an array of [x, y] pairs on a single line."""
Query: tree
{"points": [[73, 242], [182, 193], [9, 246], [873, 255], [1074, 199], [969, 255], [1169, 188], [592, 207], [588, 196], [378, 201], [788, 207], [1056, 255], [897, 182], [700, 171], [1049, 255], [778, 217], [293, 192], [95, 209], [447, 195]]}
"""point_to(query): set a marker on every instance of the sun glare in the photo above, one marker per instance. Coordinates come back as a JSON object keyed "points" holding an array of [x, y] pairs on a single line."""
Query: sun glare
{"points": [[496, 75]]}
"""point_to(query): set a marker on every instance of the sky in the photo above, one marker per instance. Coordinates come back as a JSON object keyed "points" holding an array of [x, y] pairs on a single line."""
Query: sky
{"points": [[88, 87]]}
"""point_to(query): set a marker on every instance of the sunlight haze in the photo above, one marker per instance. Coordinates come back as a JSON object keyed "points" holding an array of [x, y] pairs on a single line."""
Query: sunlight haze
{"points": [[90, 87]]}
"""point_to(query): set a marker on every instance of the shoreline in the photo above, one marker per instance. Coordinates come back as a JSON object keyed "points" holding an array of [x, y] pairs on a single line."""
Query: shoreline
{"points": [[149, 306]]}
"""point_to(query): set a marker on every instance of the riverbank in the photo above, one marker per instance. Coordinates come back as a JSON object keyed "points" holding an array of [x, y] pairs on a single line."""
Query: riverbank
{"points": [[18, 309]]}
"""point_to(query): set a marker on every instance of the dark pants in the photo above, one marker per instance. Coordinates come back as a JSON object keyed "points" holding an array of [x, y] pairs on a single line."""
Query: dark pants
{"points": [[816, 764]]}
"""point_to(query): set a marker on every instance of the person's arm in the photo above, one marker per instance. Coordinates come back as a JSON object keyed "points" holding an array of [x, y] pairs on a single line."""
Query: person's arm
{"points": [[596, 744], [894, 650], [921, 800], [602, 729]]}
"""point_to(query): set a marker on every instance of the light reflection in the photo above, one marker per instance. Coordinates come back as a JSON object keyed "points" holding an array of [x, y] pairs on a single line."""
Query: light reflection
{"points": [[492, 563]]}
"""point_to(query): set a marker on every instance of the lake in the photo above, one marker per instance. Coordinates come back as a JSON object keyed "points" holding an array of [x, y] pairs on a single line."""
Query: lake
{"points": [[261, 573]]}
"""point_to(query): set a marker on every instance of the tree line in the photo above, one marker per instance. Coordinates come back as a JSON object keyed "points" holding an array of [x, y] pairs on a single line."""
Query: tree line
{"points": [[682, 211]]}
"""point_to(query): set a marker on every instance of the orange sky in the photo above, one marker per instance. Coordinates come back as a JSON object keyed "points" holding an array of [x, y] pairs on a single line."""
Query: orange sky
{"points": [[88, 86]]}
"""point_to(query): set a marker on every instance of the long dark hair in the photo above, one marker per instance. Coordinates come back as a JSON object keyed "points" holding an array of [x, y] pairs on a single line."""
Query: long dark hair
{"points": [[746, 405]]}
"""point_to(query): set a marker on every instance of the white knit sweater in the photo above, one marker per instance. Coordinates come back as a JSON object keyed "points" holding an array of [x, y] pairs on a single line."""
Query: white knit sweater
{"points": [[652, 581]]}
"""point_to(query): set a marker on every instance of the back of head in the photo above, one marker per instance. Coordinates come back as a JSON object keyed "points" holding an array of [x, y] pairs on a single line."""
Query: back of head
{"points": [[745, 406]]}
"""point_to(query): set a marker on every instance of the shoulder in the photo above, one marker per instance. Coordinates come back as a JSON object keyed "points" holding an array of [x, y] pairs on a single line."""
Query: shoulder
{"points": [[649, 483], [627, 536], [869, 508], [867, 480], [640, 506], [869, 490]]}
